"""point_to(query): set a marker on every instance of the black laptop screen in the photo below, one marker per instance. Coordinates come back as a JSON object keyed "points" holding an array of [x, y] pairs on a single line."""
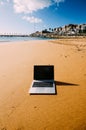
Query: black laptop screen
{"points": [[44, 72]]}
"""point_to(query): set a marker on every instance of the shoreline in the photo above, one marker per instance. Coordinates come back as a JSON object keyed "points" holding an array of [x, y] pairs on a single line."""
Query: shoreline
{"points": [[47, 38], [21, 39], [64, 111]]}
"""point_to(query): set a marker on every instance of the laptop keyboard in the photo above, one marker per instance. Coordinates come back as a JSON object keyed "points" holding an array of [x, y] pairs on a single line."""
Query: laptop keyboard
{"points": [[43, 84]]}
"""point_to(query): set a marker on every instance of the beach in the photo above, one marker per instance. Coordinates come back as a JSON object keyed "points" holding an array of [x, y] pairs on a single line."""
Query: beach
{"points": [[64, 111]]}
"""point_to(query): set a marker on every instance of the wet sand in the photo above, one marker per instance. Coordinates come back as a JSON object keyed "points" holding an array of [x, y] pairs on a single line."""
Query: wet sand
{"points": [[21, 111]]}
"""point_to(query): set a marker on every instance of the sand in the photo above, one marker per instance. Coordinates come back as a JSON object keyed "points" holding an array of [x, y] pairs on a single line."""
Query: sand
{"points": [[21, 111]]}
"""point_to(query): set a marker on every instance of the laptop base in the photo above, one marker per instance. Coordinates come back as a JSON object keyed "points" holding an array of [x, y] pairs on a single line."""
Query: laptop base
{"points": [[42, 90]]}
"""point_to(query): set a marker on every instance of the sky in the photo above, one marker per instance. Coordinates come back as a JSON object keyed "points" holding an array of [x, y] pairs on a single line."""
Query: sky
{"points": [[28, 16]]}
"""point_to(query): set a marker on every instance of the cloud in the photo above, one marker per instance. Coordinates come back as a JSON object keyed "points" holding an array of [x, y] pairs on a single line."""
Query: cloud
{"points": [[58, 1], [30, 6], [32, 19], [8, 1], [3, 2]]}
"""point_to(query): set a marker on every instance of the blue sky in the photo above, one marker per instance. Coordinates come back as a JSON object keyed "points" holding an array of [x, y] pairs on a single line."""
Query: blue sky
{"points": [[27, 16]]}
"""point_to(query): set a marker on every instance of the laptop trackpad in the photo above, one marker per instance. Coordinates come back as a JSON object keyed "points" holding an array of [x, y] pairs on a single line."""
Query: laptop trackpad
{"points": [[42, 88]]}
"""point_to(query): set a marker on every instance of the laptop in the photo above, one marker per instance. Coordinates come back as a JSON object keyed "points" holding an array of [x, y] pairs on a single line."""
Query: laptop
{"points": [[43, 82]]}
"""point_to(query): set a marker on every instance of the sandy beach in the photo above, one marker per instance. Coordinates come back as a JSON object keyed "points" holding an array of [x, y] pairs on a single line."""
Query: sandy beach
{"points": [[64, 111]]}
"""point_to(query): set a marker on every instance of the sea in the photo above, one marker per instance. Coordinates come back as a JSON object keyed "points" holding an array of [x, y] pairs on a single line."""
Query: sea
{"points": [[20, 38]]}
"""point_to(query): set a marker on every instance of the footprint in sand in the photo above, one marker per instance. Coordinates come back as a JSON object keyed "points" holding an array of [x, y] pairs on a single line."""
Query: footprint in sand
{"points": [[4, 128], [66, 56], [35, 106], [21, 128]]}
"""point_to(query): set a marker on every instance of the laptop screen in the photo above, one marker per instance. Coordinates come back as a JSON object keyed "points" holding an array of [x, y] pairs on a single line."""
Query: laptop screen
{"points": [[44, 72]]}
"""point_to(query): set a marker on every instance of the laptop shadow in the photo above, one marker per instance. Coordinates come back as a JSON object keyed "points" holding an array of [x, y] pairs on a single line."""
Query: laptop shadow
{"points": [[59, 83]]}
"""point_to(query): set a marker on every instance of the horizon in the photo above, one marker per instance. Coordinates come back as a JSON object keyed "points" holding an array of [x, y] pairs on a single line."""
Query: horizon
{"points": [[26, 17]]}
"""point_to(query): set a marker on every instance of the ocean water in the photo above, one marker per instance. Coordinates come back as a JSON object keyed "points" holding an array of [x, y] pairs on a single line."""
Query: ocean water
{"points": [[13, 39]]}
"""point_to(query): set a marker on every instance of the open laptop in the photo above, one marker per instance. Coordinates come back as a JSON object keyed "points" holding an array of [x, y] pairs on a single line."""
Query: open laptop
{"points": [[43, 82]]}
